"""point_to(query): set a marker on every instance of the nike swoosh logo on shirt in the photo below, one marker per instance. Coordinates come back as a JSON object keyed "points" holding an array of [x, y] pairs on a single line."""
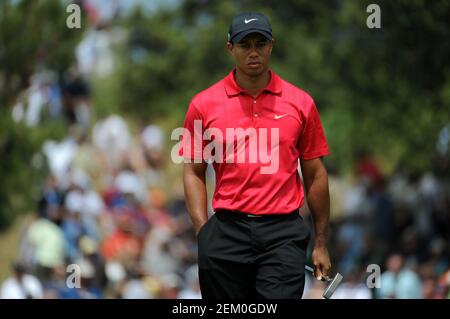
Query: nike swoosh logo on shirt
{"points": [[250, 20], [279, 116]]}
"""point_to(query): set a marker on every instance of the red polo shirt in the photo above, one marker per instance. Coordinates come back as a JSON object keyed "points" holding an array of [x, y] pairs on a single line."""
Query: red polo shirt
{"points": [[282, 117]]}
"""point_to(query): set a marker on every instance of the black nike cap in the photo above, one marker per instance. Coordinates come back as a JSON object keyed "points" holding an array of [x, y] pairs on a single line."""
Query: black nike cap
{"points": [[249, 22]]}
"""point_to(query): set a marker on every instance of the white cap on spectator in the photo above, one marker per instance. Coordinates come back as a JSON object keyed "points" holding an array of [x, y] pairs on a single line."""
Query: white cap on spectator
{"points": [[111, 134], [74, 202], [59, 156], [115, 271], [93, 203], [129, 183], [153, 137]]}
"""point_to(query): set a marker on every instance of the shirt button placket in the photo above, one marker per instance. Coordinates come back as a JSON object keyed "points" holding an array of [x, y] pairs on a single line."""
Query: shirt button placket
{"points": [[254, 111]]}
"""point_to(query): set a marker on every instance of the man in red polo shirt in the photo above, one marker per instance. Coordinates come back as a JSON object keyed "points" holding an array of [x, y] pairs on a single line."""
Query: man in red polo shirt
{"points": [[254, 127]]}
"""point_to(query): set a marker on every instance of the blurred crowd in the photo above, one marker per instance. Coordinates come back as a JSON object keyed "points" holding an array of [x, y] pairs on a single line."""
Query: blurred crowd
{"points": [[399, 225], [104, 208], [104, 222], [108, 224]]}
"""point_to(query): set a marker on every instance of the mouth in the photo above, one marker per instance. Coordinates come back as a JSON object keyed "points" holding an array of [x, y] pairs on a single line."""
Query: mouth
{"points": [[253, 64]]}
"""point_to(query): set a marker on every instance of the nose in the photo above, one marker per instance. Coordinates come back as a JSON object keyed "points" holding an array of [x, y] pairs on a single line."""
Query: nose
{"points": [[253, 52]]}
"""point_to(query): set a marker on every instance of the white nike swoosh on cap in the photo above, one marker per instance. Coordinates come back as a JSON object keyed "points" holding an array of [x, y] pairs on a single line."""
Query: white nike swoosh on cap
{"points": [[280, 116], [250, 20]]}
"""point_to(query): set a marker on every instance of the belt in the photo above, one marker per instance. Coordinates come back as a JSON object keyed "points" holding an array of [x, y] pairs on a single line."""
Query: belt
{"points": [[253, 216], [246, 215]]}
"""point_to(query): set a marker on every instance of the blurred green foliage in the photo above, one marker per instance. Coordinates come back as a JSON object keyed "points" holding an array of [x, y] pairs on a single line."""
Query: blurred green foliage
{"points": [[384, 91], [23, 171], [33, 34]]}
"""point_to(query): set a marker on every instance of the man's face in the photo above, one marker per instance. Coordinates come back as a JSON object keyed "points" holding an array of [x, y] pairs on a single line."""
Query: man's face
{"points": [[251, 54]]}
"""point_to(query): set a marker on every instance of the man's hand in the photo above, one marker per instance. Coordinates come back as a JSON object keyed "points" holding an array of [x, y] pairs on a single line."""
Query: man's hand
{"points": [[197, 228], [315, 178], [195, 192], [321, 261]]}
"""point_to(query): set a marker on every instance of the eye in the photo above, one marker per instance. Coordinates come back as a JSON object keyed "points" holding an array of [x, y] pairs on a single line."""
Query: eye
{"points": [[244, 45], [261, 44]]}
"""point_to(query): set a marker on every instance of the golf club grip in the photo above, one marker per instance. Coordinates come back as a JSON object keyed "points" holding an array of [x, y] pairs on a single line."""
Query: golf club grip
{"points": [[311, 270]]}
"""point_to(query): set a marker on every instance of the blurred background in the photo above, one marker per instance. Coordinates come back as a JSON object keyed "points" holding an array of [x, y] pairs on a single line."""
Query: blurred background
{"points": [[86, 116]]}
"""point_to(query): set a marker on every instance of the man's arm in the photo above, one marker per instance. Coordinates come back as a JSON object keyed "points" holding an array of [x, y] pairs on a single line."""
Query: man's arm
{"points": [[195, 192], [315, 179]]}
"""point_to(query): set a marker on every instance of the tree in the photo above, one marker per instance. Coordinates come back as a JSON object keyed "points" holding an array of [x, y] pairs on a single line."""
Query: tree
{"points": [[33, 34]]}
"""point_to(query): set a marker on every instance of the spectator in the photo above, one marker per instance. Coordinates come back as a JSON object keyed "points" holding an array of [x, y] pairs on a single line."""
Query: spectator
{"points": [[48, 241], [399, 282], [21, 285]]}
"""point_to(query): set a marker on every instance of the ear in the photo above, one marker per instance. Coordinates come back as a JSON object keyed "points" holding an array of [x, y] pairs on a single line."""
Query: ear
{"points": [[229, 46]]}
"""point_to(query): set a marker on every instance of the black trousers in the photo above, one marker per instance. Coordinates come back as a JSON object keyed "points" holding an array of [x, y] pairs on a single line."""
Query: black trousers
{"points": [[246, 257]]}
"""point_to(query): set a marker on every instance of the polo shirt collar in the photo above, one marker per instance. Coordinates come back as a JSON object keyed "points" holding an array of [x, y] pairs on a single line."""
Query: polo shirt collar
{"points": [[232, 88]]}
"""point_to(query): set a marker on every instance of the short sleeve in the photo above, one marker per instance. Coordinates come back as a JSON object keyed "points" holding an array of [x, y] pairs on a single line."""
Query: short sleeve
{"points": [[192, 143], [313, 143]]}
